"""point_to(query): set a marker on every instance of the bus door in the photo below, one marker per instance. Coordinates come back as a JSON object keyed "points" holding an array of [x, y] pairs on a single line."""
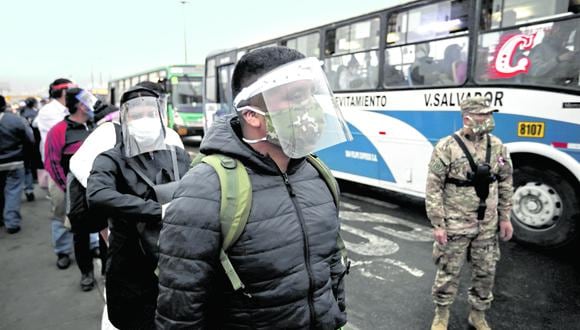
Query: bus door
{"points": [[225, 98]]}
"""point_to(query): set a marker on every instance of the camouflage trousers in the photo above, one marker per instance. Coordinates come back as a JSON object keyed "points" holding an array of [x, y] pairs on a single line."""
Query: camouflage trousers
{"points": [[483, 253]]}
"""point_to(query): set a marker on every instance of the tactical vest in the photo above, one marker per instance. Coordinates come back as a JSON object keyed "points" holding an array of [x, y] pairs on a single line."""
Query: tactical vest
{"points": [[480, 176]]}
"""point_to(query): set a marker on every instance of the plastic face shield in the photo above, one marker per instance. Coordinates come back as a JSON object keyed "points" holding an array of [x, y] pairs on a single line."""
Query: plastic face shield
{"points": [[300, 110], [88, 100], [142, 126]]}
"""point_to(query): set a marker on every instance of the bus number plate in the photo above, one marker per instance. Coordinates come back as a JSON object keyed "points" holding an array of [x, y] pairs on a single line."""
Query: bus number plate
{"points": [[531, 129]]}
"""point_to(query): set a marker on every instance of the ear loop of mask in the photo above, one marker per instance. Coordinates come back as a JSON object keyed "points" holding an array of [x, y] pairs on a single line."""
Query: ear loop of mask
{"points": [[260, 112]]}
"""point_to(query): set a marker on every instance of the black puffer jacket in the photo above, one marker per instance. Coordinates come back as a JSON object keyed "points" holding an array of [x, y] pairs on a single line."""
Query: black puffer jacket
{"points": [[287, 256], [116, 191]]}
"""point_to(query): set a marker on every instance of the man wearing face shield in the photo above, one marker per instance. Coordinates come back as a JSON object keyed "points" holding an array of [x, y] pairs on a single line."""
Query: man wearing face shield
{"points": [[129, 184], [62, 142], [468, 200], [287, 256]]}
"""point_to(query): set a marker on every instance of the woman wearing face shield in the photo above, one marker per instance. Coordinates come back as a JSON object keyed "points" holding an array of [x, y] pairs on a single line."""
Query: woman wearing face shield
{"points": [[129, 184]]}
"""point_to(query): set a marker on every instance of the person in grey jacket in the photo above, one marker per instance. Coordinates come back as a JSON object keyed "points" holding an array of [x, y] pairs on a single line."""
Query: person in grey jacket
{"points": [[287, 256]]}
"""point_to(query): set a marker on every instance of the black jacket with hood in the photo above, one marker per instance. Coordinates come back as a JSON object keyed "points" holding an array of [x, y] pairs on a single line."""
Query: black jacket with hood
{"points": [[287, 255], [116, 191]]}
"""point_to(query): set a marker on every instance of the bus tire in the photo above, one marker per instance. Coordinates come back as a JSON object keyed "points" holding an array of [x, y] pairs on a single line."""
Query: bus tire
{"points": [[545, 209]]}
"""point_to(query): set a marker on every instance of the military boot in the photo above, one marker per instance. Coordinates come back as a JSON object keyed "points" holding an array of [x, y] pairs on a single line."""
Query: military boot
{"points": [[441, 318], [477, 320]]}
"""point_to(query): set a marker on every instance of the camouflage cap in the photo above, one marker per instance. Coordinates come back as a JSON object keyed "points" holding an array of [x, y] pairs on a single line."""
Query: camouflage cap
{"points": [[476, 104]]}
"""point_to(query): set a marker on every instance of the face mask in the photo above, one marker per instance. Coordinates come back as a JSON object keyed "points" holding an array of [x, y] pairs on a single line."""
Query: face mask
{"points": [[480, 128], [90, 114], [303, 128], [145, 130], [304, 123]]}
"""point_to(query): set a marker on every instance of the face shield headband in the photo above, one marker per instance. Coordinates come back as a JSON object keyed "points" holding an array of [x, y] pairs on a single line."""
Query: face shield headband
{"points": [[142, 126], [301, 114]]}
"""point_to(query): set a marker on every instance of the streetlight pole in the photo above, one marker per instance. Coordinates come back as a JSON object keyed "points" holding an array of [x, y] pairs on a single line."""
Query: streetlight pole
{"points": [[184, 2]]}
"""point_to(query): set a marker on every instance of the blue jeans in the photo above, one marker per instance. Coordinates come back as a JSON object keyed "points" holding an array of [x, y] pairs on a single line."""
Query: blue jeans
{"points": [[11, 183], [62, 238], [28, 181]]}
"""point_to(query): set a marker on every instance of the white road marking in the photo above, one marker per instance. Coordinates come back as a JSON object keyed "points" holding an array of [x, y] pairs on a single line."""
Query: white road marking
{"points": [[412, 270], [417, 233], [374, 245], [377, 246], [368, 274]]}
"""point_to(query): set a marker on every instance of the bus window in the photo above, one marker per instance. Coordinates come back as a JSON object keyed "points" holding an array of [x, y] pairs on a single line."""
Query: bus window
{"points": [[154, 76], [435, 63], [307, 45], [210, 82], [437, 20], [353, 68], [186, 94], [505, 13], [546, 54], [224, 89]]}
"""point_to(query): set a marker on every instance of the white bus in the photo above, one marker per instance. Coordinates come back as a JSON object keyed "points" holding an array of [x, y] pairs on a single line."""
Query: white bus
{"points": [[400, 73]]}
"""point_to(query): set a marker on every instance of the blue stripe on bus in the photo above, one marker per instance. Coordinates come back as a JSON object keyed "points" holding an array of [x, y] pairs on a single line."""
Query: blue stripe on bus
{"points": [[438, 124], [335, 157]]}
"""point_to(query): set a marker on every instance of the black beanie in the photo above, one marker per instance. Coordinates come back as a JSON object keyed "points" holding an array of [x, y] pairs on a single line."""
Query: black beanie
{"points": [[71, 99], [2, 103]]}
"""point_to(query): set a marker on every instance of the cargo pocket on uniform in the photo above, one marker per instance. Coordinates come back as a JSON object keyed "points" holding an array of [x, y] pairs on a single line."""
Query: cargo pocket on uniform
{"points": [[438, 254], [497, 253]]}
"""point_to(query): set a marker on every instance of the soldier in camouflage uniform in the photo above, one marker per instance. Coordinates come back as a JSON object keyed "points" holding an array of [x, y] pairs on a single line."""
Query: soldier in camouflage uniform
{"points": [[452, 207]]}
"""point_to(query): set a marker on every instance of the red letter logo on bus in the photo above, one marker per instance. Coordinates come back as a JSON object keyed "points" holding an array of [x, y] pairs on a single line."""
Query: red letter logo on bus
{"points": [[502, 63]]}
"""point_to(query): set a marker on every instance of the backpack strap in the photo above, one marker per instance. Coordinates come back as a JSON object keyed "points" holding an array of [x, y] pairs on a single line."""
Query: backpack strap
{"points": [[236, 202], [332, 184], [488, 150], [466, 152]]}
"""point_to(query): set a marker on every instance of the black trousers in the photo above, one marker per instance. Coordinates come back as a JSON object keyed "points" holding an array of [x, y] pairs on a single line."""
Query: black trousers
{"points": [[83, 254]]}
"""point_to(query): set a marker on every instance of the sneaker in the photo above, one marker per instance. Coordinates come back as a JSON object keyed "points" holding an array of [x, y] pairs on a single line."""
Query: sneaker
{"points": [[29, 196], [13, 230], [63, 261], [87, 281]]}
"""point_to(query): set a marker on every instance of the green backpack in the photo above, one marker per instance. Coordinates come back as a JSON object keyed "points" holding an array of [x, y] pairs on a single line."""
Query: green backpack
{"points": [[236, 197]]}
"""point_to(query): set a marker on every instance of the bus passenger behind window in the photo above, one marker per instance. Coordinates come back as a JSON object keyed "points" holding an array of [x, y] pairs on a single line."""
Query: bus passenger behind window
{"points": [[393, 76], [348, 77], [423, 71], [453, 68], [551, 62]]}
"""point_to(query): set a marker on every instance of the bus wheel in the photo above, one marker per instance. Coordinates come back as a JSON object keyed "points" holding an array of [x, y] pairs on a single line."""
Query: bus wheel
{"points": [[544, 208]]}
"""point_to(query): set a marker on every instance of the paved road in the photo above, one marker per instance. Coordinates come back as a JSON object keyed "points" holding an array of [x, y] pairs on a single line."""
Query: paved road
{"points": [[34, 294], [388, 286], [390, 281]]}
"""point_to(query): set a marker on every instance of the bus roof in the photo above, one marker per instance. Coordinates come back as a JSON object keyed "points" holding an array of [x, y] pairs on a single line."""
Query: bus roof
{"points": [[172, 70], [400, 5]]}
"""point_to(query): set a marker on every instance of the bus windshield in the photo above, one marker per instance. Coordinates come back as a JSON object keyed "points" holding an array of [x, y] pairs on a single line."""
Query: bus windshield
{"points": [[186, 94]]}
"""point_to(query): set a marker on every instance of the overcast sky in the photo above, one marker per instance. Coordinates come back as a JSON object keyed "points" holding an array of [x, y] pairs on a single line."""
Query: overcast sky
{"points": [[94, 41]]}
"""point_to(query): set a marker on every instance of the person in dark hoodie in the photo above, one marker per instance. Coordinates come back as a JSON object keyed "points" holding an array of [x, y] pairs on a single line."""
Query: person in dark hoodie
{"points": [[287, 256], [129, 184], [15, 135]]}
